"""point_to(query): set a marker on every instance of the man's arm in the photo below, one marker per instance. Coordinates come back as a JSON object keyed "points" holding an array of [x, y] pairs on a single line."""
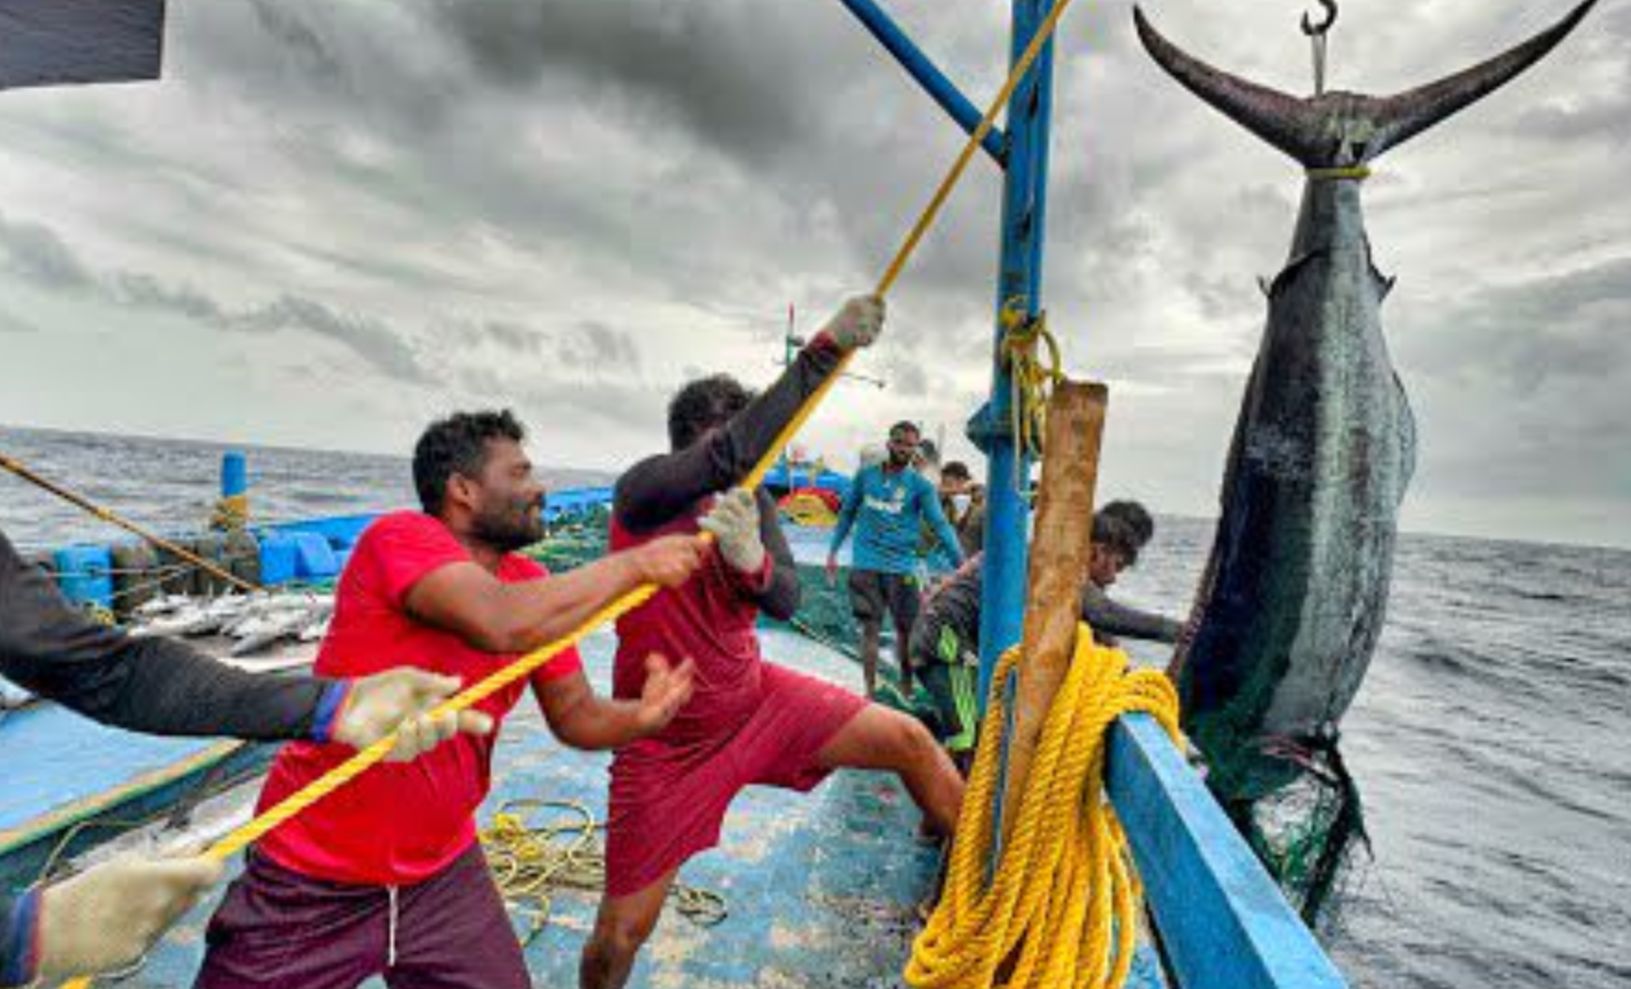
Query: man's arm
{"points": [[780, 597], [929, 499], [661, 488], [495, 616], [1105, 615], [584, 720], [165, 687], [846, 513], [152, 685]]}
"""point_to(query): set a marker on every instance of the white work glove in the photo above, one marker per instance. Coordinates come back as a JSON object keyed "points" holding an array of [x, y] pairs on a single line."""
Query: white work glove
{"points": [[401, 699], [858, 323], [108, 916], [734, 521]]}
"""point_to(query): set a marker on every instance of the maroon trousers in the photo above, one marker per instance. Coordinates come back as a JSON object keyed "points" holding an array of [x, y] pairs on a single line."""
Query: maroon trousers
{"points": [[278, 929]]}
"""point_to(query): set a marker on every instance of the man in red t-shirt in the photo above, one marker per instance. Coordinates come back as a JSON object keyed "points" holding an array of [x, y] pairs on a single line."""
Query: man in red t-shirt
{"points": [[750, 722], [385, 876]]}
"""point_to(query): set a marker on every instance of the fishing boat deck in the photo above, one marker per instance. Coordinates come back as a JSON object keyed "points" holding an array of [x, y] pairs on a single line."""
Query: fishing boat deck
{"points": [[821, 889]]}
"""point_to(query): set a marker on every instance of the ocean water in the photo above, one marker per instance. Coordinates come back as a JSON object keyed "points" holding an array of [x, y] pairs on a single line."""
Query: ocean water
{"points": [[1488, 740]]}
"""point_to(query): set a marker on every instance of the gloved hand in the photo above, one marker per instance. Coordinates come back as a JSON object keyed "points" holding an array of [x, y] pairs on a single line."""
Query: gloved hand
{"points": [[108, 916], [857, 323], [401, 699], [734, 520]]}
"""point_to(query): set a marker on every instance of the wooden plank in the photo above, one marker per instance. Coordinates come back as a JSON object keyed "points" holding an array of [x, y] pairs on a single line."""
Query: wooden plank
{"points": [[50, 42], [1222, 919], [1059, 556]]}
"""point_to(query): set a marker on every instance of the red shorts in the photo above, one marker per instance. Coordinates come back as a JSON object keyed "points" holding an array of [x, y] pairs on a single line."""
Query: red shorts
{"points": [[668, 799]]}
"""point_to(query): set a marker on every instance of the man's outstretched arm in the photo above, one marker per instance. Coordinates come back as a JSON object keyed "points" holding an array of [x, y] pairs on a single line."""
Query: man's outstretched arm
{"points": [[663, 487]]}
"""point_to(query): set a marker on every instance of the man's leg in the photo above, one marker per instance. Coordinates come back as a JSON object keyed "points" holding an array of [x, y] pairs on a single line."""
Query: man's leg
{"points": [[871, 632], [621, 927], [903, 607], [868, 603], [879, 738]]}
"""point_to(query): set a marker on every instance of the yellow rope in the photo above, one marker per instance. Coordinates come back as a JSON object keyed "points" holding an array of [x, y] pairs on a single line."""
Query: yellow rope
{"points": [[231, 513], [1357, 173], [354, 766], [1031, 380], [1063, 904], [531, 862]]}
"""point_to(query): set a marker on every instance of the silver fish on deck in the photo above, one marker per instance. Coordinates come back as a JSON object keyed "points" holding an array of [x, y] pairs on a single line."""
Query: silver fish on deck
{"points": [[1297, 582]]}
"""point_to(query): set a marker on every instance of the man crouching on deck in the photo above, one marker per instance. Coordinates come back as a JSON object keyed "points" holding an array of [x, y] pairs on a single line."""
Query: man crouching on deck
{"points": [[750, 722], [385, 876]]}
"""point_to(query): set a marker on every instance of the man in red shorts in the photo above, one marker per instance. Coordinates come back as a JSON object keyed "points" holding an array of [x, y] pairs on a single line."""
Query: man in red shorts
{"points": [[749, 721], [385, 876]]}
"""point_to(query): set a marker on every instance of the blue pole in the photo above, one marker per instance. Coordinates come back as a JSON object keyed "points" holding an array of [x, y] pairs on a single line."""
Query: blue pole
{"points": [[1019, 277], [234, 474], [927, 74]]}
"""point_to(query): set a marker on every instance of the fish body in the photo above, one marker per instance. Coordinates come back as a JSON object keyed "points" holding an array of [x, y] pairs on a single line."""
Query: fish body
{"points": [[1296, 587]]}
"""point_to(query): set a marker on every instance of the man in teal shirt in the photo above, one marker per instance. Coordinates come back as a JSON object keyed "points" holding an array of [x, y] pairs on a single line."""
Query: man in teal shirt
{"points": [[887, 505]]}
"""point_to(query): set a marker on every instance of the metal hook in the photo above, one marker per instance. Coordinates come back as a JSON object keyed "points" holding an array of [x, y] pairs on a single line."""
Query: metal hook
{"points": [[1313, 31], [1316, 39]]}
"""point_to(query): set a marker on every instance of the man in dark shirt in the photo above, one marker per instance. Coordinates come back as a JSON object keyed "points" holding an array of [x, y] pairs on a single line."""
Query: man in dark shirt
{"points": [[750, 721], [945, 642], [110, 914]]}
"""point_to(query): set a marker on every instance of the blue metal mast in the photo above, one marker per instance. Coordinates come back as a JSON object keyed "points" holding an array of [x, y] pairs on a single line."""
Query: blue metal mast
{"points": [[1019, 284], [1022, 152]]}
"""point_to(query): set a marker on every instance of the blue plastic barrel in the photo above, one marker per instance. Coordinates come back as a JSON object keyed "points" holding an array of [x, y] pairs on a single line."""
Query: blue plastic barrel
{"points": [[85, 574], [315, 557], [280, 558]]}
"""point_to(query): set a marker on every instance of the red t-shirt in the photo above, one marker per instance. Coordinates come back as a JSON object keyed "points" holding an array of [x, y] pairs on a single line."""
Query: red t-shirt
{"points": [[710, 619], [397, 823]]}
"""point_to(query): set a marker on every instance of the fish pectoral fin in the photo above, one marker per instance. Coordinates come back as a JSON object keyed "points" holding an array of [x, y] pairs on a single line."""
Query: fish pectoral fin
{"points": [[1290, 270]]}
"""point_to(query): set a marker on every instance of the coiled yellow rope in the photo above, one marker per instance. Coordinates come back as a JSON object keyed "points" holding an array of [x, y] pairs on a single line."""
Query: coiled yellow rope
{"points": [[1062, 906], [530, 862]]}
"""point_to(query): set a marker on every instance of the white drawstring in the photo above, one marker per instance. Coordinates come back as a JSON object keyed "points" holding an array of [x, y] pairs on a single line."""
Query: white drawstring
{"points": [[390, 946]]}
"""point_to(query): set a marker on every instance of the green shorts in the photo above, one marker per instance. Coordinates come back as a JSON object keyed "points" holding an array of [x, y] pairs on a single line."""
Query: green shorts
{"points": [[952, 676]]}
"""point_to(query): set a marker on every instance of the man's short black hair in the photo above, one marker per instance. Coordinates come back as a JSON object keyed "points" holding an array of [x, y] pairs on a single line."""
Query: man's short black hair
{"points": [[703, 404], [1113, 533], [956, 468], [457, 445], [905, 425], [1135, 516]]}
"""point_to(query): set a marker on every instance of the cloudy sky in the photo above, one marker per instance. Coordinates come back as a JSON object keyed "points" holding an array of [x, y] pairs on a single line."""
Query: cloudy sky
{"points": [[334, 219]]}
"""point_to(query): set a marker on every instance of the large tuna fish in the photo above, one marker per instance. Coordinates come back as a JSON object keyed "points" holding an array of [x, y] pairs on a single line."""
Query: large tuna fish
{"points": [[1325, 443]]}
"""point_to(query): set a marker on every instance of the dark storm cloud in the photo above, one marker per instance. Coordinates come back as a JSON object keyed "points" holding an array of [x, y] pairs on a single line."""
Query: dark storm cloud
{"points": [[147, 292], [1530, 334], [371, 339], [36, 254], [725, 79], [12, 323], [593, 345], [513, 337], [290, 30]]}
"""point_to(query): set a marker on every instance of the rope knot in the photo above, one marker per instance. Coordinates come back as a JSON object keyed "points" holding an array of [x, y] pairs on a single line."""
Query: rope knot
{"points": [[1031, 381]]}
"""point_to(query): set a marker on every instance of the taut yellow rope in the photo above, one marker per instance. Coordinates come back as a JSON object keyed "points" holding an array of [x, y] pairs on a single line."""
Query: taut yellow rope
{"points": [[1062, 906]]}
